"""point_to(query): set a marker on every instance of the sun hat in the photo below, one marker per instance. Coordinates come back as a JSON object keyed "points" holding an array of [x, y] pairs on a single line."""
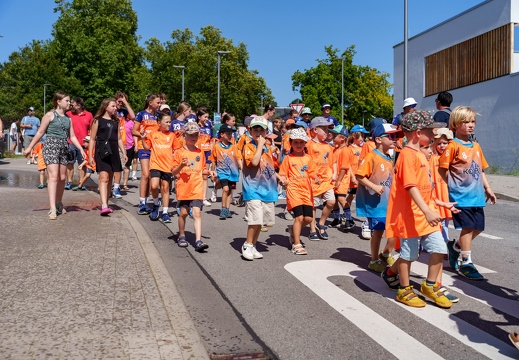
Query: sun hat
{"points": [[419, 119], [306, 110], [248, 119], [164, 106], [386, 129], [298, 134], [359, 128], [190, 128], [438, 133], [408, 102]]}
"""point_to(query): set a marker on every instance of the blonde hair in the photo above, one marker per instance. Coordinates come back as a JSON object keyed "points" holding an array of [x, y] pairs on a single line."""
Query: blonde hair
{"points": [[353, 136], [459, 115]]}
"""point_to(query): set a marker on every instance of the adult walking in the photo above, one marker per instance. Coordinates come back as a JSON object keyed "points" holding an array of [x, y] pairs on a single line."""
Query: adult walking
{"points": [[13, 133], [30, 125], [269, 112], [57, 125], [125, 115], [106, 138], [81, 122]]}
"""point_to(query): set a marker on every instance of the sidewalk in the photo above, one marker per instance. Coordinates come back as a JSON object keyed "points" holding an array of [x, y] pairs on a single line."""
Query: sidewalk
{"points": [[84, 286], [505, 187]]}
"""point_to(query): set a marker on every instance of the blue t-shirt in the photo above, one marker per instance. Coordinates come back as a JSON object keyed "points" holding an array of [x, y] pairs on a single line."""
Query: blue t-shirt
{"points": [[397, 119], [31, 120], [176, 125], [335, 121]]}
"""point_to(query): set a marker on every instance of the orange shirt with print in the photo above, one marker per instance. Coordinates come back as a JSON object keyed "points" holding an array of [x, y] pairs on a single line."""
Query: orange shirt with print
{"points": [[300, 172], [122, 129], [93, 168], [404, 218], [244, 140], [285, 140], [368, 147], [354, 152], [343, 162], [162, 145], [204, 142], [147, 124], [322, 156], [189, 182], [38, 149], [441, 190]]}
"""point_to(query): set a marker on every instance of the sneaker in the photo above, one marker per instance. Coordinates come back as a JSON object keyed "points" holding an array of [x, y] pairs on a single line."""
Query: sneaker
{"points": [[206, 203], [117, 193], [143, 209], [29, 162], [190, 212], [407, 296], [83, 188], [389, 260], [76, 188], [365, 230], [246, 251], [377, 266], [434, 293], [229, 214], [165, 218], [40, 186], [290, 232], [392, 281], [154, 216], [288, 215], [106, 211], [453, 255], [448, 295], [335, 223], [134, 178], [282, 196], [213, 195], [68, 186], [470, 271], [256, 254], [350, 224], [223, 214], [313, 236]]}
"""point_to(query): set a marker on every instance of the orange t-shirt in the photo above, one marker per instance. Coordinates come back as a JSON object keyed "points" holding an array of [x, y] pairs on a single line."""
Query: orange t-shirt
{"points": [[354, 159], [189, 182], [342, 158], [322, 156], [93, 168], [300, 172], [147, 122], [162, 145], [441, 190], [404, 218], [204, 142], [122, 129], [244, 140], [285, 141], [368, 147], [38, 149]]}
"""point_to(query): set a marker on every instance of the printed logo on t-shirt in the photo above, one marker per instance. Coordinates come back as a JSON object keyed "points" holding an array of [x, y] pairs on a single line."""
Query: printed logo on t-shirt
{"points": [[474, 170], [268, 171], [303, 169]]}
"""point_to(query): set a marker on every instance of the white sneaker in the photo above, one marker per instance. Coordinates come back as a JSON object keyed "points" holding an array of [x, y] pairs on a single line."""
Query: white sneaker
{"points": [[366, 231], [213, 195], [288, 215], [206, 203], [256, 254], [247, 252]]}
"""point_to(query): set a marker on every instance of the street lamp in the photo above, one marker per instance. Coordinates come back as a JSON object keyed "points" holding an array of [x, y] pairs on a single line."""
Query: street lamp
{"points": [[342, 96], [181, 67], [220, 52], [363, 112], [44, 98]]}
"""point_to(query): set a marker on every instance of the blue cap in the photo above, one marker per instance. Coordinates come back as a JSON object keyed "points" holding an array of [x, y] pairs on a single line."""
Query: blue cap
{"points": [[360, 128], [386, 129], [376, 122], [302, 124], [340, 129]]}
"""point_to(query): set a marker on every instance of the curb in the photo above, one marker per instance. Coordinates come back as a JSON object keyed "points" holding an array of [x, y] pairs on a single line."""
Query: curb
{"points": [[190, 342], [501, 196]]}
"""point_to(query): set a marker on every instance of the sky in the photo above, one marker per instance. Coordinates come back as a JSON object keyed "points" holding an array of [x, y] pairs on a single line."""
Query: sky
{"points": [[281, 36]]}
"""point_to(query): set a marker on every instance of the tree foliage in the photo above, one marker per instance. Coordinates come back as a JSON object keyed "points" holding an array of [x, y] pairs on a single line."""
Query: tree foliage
{"points": [[365, 88]]}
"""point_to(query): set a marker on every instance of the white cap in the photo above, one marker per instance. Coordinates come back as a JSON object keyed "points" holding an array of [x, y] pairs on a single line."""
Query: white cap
{"points": [[409, 101]]}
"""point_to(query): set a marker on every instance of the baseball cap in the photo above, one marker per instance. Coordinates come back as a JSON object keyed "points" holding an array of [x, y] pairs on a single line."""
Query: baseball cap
{"points": [[409, 102], [302, 124], [325, 105], [386, 129], [87, 138], [259, 121], [191, 118], [359, 128], [191, 128], [319, 121], [375, 122], [227, 128], [248, 119], [340, 129], [443, 132], [419, 119], [290, 122], [31, 108], [165, 106], [298, 134], [306, 110]]}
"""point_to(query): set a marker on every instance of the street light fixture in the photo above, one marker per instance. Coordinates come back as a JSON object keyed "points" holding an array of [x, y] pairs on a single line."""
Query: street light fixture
{"points": [[181, 67], [44, 98], [220, 52]]}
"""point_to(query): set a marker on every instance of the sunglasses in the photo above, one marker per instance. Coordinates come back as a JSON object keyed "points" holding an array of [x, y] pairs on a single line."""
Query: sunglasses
{"points": [[390, 136]]}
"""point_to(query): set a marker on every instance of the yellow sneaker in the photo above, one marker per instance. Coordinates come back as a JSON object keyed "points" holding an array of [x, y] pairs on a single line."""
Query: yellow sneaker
{"points": [[434, 293], [389, 260], [407, 296]]}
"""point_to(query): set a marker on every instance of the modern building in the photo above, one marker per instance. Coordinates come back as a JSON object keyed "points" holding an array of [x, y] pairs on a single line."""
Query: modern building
{"points": [[474, 56]]}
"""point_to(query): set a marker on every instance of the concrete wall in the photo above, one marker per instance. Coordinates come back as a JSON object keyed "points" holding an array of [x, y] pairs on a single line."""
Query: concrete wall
{"points": [[496, 100]]}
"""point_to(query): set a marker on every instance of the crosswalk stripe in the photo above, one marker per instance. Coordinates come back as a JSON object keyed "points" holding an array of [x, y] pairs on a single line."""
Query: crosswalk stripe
{"points": [[485, 235], [314, 274]]}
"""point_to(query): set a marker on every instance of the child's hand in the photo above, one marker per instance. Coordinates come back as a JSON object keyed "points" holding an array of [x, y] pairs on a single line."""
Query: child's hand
{"points": [[185, 162], [379, 189], [317, 180], [433, 218], [448, 205], [490, 195], [261, 141], [143, 134], [80, 167]]}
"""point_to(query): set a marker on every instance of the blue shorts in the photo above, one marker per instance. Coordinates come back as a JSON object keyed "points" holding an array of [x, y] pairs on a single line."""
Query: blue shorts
{"points": [[72, 149], [207, 154], [432, 243], [377, 223], [143, 154], [469, 218], [90, 171]]}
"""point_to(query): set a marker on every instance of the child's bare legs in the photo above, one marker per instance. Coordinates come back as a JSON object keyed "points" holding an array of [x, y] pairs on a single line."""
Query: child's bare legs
{"points": [[465, 242], [375, 243], [327, 209], [105, 179], [299, 223], [42, 176], [126, 175], [154, 182], [225, 197], [404, 271], [197, 217], [84, 180], [312, 223], [253, 232], [435, 268], [62, 174], [204, 187], [182, 220], [164, 190], [145, 178], [390, 246]]}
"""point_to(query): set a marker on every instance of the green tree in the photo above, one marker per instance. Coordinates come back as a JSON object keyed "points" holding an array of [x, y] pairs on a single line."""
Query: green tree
{"points": [[241, 90], [365, 88]]}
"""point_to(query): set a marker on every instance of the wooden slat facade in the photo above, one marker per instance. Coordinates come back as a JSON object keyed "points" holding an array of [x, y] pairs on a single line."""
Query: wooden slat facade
{"points": [[481, 58]]}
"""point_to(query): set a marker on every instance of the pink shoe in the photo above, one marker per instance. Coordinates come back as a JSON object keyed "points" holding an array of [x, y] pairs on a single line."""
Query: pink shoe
{"points": [[106, 211]]}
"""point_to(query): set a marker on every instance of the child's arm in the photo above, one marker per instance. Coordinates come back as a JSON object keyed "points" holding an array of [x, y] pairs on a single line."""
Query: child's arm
{"points": [[447, 205], [80, 166], [443, 173], [379, 189], [353, 179], [334, 173], [145, 144], [433, 218], [259, 150], [339, 178], [176, 171], [488, 191]]}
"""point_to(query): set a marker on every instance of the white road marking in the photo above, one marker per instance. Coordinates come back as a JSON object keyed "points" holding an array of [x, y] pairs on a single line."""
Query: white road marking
{"points": [[314, 274], [491, 237]]}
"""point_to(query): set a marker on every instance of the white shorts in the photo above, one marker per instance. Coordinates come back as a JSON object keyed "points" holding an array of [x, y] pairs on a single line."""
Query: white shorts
{"points": [[325, 196], [258, 212]]}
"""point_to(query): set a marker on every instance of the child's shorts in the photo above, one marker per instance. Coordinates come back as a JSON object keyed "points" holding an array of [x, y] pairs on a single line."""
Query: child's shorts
{"points": [[352, 191], [325, 196], [190, 203], [161, 175], [469, 218], [230, 184], [143, 154], [377, 223], [303, 210], [432, 243], [90, 171], [258, 212], [207, 155]]}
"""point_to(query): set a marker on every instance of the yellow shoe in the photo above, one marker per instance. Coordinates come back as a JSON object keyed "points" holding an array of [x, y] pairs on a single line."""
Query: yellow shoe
{"points": [[407, 296], [434, 293], [390, 260]]}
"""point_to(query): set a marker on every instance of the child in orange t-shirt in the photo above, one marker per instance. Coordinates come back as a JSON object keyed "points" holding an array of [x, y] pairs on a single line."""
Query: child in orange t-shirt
{"points": [[412, 217], [341, 159], [162, 142], [355, 143], [38, 150], [189, 168], [297, 173], [90, 168]]}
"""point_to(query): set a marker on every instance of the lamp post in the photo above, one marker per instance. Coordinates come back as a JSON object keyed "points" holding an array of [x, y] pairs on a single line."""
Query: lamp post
{"points": [[363, 112], [220, 52], [342, 96], [45, 98], [181, 67]]}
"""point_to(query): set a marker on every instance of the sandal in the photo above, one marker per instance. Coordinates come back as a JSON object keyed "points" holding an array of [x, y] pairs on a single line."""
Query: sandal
{"points": [[125, 188], [313, 236], [514, 338], [60, 209], [52, 214], [264, 228], [269, 225], [299, 250], [322, 231], [200, 246], [182, 242]]}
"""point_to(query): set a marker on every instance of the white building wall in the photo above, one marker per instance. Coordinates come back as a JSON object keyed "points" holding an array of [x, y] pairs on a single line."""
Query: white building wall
{"points": [[496, 100]]}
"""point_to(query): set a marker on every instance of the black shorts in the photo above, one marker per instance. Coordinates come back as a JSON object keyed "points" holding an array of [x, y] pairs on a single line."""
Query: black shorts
{"points": [[303, 210], [130, 154], [161, 174], [339, 195], [352, 191], [190, 203], [469, 218], [230, 184]]}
